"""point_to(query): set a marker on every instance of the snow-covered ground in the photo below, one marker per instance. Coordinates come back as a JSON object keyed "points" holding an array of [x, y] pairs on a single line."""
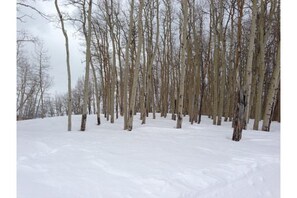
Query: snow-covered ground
{"points": [[155, 160]]}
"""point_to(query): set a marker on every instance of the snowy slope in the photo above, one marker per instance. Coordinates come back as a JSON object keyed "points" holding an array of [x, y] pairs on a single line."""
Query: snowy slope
{"points": [[155, 160]]}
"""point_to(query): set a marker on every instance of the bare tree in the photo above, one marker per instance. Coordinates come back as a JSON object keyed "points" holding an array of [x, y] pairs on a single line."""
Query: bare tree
{"points": [[136, 69], [126, 71], [248, 77], [182, 63], [87, 32], [68, 65], [44, 82], [239, 109]]}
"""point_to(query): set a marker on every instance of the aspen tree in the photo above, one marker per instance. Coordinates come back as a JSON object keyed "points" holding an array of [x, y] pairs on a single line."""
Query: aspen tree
{"points": [[110, 22], [248, 76], [151, 52], [223, 64], [263, 36], [239, 108], [42, 65], [136, 69], [232, 78], [215, 64], [201, 73], [261, 63], [197, 62], [126, 70], [182, 64], [143, 96], [272, 93], [97, 97], [87, 18], [192, 66], [69, 102]]}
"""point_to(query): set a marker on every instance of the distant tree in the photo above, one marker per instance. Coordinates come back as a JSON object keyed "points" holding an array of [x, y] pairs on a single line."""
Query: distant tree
{"points": [[42, 68], [77, 96]]}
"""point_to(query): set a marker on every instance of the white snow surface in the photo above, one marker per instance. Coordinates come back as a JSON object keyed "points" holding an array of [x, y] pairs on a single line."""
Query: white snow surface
{"points": [[155, 160]]}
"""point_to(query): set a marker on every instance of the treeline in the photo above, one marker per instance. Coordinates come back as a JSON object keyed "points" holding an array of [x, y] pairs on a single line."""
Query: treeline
{"points": [[188, 57], [33, 79]]}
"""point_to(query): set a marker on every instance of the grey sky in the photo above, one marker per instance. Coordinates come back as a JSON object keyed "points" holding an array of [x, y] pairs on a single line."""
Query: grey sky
{"points": [[55, 43]]}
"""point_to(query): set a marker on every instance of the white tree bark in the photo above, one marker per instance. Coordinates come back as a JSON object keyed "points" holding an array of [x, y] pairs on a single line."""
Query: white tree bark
{"points": [[272, 93], [136, 69], [87, 74], [69, 101], [249, 74]]}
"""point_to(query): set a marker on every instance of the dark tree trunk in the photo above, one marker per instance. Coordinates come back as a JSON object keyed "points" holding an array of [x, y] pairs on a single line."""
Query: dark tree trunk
{"points": [[83, 122], [239, 116], [201, 99], [276, 115], [98, 120]]}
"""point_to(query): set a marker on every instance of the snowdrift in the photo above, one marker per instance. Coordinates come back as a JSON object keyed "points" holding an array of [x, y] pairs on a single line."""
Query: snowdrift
{"points": [[155, 160]]}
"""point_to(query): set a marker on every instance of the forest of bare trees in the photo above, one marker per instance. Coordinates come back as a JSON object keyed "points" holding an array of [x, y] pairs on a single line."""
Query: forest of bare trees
{"points": [[173, 57]]}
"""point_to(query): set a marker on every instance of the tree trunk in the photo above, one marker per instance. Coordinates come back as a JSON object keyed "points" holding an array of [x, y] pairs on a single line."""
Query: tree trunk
{"points": [[272, 94], [126, 71], [261, 63], [249, 74], [136, 69], [237, 76], [239, 110], [239, 116], [222, 48], [262, 40], [215, 65], [183, 64], [88, 58], [143, 89], [96, 94], [113, 67]]}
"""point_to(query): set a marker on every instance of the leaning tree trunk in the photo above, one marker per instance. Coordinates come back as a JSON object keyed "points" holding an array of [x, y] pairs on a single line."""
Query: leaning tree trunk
{"points": [[263, 40], [272, 94], [69, 102]]}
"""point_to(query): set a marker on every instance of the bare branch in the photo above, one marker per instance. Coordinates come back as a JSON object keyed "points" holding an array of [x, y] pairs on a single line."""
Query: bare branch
{"points": [[45, 16]]}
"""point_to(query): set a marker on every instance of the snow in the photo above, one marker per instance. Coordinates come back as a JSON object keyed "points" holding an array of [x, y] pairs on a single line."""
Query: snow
{"points": [[155, 160]]}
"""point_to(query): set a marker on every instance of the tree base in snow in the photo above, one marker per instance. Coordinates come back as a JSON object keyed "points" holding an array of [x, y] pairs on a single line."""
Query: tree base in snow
{"points": [[83, 122], [238, 122]]}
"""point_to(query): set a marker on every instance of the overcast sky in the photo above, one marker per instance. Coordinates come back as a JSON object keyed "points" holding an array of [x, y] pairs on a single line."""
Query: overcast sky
{"points": [[55, 43]]}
